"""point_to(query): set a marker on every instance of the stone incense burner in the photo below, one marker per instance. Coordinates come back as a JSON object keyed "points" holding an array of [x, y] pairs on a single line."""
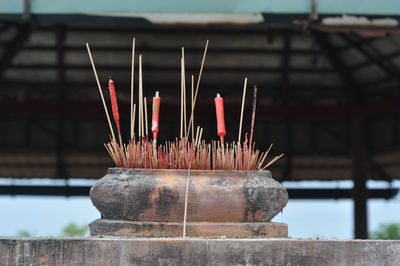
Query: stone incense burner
{"points": [[150, 203]]}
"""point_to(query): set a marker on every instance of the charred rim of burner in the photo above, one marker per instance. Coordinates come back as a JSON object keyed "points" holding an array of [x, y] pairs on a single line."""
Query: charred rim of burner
{"points": [[113, 170]]}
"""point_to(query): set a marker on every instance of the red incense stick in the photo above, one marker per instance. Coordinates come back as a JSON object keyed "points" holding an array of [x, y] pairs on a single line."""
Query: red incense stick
{"points": [[219, 109], [155, 116], [114, 106]]}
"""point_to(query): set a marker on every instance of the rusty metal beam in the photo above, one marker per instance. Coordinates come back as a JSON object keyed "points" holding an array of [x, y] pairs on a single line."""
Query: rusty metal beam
{"points": [[172, 68], [173, 29], [390, 71], [90, 109], [368, 31], [294, 193], [151, 83], [169, 50], [376, 60]]}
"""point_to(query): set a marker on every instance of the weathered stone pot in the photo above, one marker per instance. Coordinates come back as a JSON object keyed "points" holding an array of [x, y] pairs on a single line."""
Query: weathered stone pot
{"points": [[147, 195]]}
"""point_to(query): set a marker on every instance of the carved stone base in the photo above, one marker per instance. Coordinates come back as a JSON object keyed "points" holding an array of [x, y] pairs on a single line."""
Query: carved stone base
{"points": [[105, 227]]}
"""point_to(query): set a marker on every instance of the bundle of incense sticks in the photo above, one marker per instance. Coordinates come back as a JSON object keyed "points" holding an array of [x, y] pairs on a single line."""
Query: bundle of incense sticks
{"points": [[181, 153]]}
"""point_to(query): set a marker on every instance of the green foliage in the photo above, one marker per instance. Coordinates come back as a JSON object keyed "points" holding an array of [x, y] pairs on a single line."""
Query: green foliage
{"points": [[72, 229], [387, 231], [23, 233]]}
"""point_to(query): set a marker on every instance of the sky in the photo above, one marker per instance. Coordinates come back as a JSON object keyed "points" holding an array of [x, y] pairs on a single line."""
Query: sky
{"points": [[330, 219]]}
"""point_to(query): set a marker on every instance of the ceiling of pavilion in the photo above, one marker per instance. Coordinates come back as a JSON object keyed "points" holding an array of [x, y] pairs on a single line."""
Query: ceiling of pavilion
{"points": [[310, 83]]}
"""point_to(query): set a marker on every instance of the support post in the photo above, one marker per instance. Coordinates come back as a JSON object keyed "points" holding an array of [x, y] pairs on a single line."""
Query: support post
{"points": [[285, 98], [360, 171], [60, 37]]}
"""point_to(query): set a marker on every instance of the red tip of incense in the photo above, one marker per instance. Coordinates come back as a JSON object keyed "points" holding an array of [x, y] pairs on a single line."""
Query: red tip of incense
{"points": [[114, 103], [156, 114]]}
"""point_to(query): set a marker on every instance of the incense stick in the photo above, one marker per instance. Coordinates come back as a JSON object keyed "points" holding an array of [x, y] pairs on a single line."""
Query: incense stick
{"points": [[184, 92], [199, 139], [132, 82], [198, 84], [241, 112], [133, 120], [197, 135], [100, 90], [181, 129], [192, 107], [180, 154], [145, 115], [186, 202], [253, 114], [265, 156], [272, 161], [140, 96]]}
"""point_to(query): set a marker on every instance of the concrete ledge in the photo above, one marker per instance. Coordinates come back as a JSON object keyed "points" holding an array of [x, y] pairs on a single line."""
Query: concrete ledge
{"points": [[104, 227], [195, 251]]}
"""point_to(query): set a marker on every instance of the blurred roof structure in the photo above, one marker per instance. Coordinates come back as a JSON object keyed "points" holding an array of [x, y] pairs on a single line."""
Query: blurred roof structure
{"points": [[315, 69]]}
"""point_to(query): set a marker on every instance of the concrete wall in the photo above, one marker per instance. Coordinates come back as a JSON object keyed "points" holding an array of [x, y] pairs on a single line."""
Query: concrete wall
{"points": [[189, 251]]}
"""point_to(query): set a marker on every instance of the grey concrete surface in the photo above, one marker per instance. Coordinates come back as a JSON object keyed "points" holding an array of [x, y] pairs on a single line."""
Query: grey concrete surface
{"points": [[196, 251]]}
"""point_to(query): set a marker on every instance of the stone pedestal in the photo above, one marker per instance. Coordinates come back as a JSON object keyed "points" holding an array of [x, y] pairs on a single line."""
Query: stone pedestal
{"points": [[150, 203], [104, 227]]}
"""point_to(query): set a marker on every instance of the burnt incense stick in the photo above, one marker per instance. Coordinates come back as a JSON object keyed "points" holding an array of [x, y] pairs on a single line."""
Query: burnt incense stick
{"points": [[145, 115], [253, 114], [133, 120], [241, 112], [181, 128], [100, 91], [132, 83]]}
